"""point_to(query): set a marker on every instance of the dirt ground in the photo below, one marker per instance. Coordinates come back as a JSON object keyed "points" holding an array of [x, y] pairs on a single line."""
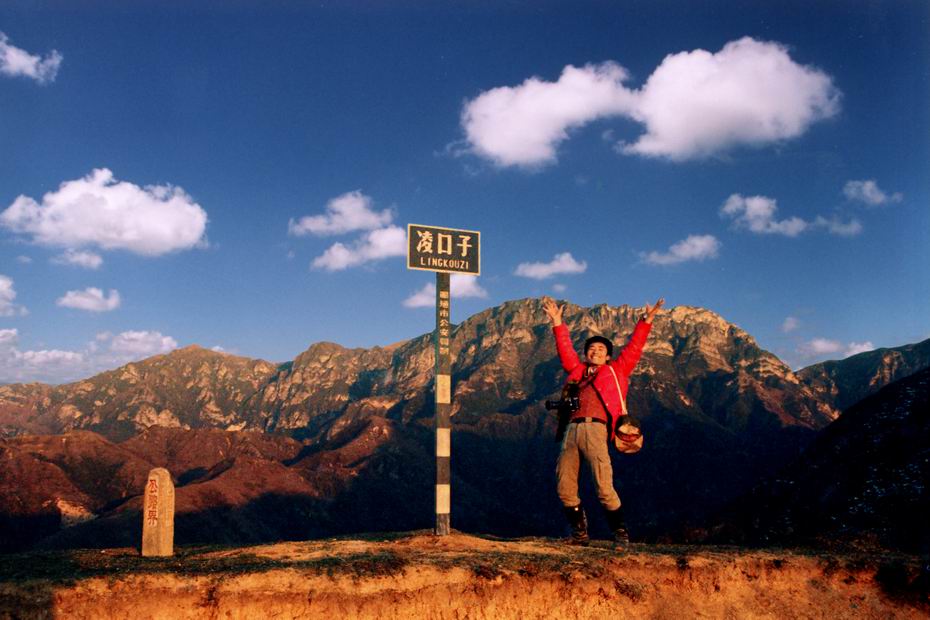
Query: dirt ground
{"points": [[418, 575]]}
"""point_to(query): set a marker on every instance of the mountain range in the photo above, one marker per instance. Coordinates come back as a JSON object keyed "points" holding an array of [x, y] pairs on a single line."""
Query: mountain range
{"points": [[340, 440]]}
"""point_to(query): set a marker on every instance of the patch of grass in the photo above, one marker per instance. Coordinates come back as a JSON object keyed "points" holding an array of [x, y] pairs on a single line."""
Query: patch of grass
{"points": [[69, 567], [358, 565], [633, 591]]}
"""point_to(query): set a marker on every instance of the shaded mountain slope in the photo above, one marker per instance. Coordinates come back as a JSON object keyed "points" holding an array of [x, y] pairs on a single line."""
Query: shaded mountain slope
{"points": [[864, 479]]}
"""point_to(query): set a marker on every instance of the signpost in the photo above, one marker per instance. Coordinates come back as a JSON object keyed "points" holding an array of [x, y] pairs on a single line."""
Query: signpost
{"points": [[445, 251]]}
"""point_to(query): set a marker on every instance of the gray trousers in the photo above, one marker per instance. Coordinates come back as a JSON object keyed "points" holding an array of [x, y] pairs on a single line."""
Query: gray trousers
{"points": [[586, 441]]}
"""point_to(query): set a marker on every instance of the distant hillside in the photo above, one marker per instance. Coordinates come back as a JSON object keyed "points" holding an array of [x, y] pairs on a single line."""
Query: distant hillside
{"points": [[864, 479], [187, 388], [845, 382], [352, 441]]}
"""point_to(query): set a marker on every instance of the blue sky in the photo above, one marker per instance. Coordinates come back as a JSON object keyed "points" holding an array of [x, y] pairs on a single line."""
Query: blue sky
{"points": [[236, 175]]}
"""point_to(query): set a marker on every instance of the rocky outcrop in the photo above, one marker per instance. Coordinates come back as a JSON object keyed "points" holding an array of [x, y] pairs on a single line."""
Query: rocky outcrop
{"points": [[188, 388], [504, 363], [842, 383]]}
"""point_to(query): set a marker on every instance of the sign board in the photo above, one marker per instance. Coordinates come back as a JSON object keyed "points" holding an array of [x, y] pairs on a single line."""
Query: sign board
{"points": [[447, 250]]}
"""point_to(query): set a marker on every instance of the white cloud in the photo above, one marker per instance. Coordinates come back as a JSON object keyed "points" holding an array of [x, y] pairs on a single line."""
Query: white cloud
{"points": [[19, 366], [24, 260], [45, 359], [90, 299], [100, 211], [844, 229], [346, 213], [460, 286], [869, 193], [57, 366], [563, 263], [7, 295], [17, 62], [757, 213], [523, 125], [559, 288], [8, 338], [694, 247], [751, 92], [138, 344], [79, 258], [820, 346], [858, 347], [373, 246], [694, 104], [790, 324]]}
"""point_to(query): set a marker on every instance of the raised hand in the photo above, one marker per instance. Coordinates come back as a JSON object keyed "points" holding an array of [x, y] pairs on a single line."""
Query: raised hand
{"points": [[553, 310], [652, 310]]}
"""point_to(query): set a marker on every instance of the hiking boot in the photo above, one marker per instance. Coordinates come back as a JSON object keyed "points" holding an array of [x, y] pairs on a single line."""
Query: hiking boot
{"points": [[618, 527], [579, 523]]}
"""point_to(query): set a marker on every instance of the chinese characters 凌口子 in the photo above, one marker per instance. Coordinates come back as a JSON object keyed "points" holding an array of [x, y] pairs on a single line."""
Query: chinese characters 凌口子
{"points": [[443, 243]]}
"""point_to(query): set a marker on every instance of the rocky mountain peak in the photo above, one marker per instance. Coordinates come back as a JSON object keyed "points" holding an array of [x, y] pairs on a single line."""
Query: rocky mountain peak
{"points": [[503, 362]]}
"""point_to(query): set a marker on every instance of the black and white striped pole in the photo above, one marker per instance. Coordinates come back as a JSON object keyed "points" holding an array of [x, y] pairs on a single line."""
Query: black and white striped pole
{"points": [[445, 251], [443, 406]]}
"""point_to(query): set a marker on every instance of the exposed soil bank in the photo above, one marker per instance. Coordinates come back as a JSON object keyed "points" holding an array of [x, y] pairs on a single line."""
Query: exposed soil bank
{"points": [[421, 576]]}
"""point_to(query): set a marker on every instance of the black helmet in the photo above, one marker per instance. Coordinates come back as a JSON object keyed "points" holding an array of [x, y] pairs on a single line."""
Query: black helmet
{"points": [[604, 341]]}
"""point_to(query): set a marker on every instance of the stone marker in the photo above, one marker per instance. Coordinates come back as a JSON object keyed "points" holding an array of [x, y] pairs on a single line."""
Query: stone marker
{"points": [[158, 514]]}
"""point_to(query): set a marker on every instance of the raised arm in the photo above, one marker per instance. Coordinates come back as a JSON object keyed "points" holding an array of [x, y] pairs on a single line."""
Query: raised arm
{"points": [[633, 349], [563, 340], [553, 310]]}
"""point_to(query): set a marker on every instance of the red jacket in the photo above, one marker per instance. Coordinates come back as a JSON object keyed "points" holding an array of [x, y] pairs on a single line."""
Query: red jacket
{"points": [[604, 383]]}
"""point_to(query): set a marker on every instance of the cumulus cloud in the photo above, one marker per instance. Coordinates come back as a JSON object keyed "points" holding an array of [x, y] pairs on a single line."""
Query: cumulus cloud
{"points": [[346, 213], [694, 247], [757, 214], [79, 258], [790, 324], [7, 297], [523, 125], [694, 104], [563, 263], [17, 62], [868, 192], [17, 365], [373, 246], [97, 210], [858, 347], [460, 286], [8, 338], [56, 366], [90, 299], [819, 347], [834, 226], [138, 344], [751, 92]]}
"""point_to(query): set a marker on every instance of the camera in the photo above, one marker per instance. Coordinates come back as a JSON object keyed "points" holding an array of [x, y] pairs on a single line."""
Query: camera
{"points": [[569, 402]]}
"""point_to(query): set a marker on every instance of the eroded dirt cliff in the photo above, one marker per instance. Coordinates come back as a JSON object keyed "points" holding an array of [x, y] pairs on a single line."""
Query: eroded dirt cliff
{"points": [[422, 576]]}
